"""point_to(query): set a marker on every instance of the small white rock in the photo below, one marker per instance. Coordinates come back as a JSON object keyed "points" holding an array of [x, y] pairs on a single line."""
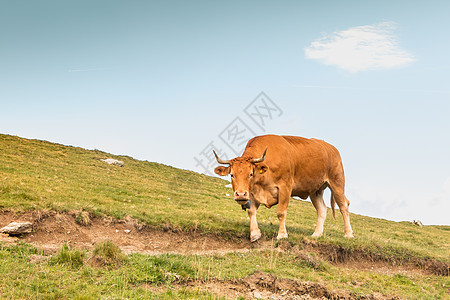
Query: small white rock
{"points": [[113, 162], [228, 195], [417, 222], [16, 228], [127, 230]]}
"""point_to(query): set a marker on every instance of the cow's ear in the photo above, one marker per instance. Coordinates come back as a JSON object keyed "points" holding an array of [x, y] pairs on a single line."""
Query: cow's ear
{"points": [[222, 171], [261, 168]]}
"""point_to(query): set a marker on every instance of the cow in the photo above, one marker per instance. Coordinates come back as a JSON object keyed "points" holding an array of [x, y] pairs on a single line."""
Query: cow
{"points": [[273, 168]]}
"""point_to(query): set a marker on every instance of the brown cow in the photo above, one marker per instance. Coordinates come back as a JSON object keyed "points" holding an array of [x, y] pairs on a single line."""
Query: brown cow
{"points": [[289, 166]]}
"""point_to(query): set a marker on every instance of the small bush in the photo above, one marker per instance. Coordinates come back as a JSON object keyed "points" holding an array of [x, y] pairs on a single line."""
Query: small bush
{"points": [[70, 257], [107, 253]]}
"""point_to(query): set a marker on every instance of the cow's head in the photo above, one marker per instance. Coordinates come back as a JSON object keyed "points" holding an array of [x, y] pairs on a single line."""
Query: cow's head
{"points": [[244, 172]]}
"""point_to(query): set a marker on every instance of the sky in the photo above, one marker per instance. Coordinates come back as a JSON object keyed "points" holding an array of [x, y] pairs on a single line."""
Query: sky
{"points": [[168, 81]]}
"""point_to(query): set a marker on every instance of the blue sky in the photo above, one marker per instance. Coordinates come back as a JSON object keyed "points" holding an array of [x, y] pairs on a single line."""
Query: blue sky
{"points": [[160, 80]]}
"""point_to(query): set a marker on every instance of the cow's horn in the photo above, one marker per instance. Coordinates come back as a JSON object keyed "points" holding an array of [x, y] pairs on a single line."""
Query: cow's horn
{"points": [[261, 159], [225, 162]]}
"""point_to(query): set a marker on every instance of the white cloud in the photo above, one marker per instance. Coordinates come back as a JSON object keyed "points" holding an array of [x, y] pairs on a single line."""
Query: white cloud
{"points": [[360, 48]]}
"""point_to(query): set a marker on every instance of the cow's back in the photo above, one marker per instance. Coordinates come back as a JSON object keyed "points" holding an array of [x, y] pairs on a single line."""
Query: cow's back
{"points": [[279, 150], [302, 163]]}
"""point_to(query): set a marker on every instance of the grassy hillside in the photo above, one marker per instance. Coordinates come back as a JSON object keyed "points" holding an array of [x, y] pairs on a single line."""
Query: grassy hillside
{"points": [[36, 175], [41, 175]]}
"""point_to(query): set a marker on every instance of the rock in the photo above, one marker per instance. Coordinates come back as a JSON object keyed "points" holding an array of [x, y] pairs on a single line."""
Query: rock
{"points": [[417, 222], [113, 162], [257, 295], [17, 228]]}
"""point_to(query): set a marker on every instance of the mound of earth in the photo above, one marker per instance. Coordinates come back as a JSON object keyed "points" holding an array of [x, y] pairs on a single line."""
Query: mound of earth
{"points": [[51, 229]]}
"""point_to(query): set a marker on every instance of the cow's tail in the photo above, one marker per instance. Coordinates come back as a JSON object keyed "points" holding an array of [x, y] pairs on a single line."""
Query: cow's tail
{"points": [[333, 202]]}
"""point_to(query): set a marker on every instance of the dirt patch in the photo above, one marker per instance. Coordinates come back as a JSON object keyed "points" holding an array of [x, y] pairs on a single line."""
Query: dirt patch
{"points": [[81, 230], [265, 286], [37, 259], [261, 285], [8, 239], [51, 229], [238, 289], [363, 259]]}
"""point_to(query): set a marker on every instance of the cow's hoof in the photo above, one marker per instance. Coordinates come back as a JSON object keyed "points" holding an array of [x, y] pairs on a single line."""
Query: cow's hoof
{"points": [[349, 235], [282, 236], [254, 237], [316, 235]]}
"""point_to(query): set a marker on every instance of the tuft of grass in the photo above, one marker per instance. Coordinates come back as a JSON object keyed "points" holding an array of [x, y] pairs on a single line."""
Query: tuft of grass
{"points": [[108, 254], [83, 218], [310, 260], [69, 257]]}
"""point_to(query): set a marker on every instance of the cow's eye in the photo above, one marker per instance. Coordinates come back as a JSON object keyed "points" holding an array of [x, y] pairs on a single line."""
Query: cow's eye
{"points": [[232, 176], [251, 175]]}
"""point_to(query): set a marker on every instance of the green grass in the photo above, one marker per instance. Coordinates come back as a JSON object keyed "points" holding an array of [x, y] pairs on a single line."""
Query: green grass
{"points": [[36, 175], [21, 279], [108, 254], [69, 257], [139, 276], [41, 175]]}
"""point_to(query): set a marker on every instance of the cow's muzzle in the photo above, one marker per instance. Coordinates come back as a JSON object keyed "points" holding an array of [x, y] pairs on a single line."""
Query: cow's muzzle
{"points": [[242, 201], [241, 196]]}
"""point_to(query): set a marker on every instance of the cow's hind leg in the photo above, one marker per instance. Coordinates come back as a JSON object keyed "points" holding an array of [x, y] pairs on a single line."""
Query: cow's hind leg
{"points": [[343, 203], [255, 233], [317, 201]]}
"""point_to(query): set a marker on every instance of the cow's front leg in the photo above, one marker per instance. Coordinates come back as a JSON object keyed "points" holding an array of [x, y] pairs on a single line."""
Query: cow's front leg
{"points": [[255, 233], [283, 202]]}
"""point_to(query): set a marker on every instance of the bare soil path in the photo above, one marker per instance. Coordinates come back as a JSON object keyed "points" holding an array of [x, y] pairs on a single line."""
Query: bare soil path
{"points": [[51, 229]]}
